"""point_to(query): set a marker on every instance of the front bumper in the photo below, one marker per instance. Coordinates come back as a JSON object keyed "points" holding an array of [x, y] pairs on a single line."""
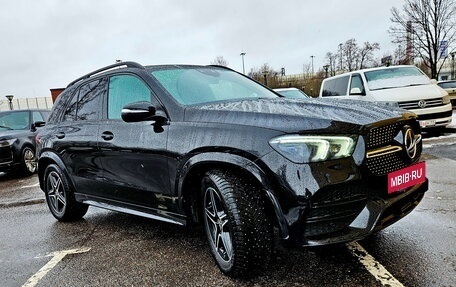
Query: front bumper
{"points": [[7, 158], [353, 219]]}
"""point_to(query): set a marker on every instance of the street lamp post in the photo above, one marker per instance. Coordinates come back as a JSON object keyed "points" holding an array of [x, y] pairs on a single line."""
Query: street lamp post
{"points": [[340, 56], [326, 67], [265, 75], [312, 57], [453, 76], [243, 68], [10, 99]]}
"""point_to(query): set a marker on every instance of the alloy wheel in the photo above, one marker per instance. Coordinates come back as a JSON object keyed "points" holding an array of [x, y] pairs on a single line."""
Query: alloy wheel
{"points": [[217, 224], [30, 160], [56, 193]]}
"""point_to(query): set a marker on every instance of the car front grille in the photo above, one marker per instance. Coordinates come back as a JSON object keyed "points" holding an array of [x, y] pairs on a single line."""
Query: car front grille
{"points": [[6, 155], [381, 136], [389, 137], [421, 104]]}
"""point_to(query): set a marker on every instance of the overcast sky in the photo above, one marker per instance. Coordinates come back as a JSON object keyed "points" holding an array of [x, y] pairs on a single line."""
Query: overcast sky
{"points": [[48, 43]]}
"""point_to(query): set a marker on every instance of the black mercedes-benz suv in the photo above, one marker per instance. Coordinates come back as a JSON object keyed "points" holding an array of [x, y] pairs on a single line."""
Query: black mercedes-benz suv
{"points": [[205, 144]]}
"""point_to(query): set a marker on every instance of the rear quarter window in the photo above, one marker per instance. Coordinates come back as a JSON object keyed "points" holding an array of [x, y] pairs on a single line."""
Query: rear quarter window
{"points": [[335, 87]]}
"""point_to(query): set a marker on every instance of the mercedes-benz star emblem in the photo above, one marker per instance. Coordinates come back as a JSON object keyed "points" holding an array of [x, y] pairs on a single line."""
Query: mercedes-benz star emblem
{"points": [[411, 142]]}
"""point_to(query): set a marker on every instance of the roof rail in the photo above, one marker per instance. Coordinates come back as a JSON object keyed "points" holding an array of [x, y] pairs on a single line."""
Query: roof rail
{"points": [[116, 65]]}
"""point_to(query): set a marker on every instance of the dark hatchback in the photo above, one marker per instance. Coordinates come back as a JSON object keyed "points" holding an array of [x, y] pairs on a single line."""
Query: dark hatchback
{"points": [[205, 144], [17, 139]]}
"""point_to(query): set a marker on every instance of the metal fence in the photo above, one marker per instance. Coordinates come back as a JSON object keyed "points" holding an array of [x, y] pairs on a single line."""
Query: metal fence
{"points": [[26, 103]]}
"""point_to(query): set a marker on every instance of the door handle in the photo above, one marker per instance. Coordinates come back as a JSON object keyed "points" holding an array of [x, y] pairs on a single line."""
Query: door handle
{"points": [[107, 136], [60, 135]]}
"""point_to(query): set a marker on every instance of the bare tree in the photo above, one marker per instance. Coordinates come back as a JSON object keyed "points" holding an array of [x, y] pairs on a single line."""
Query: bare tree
{"points": [[428, 22], [265, 74], [350, 54], [220, 61], [332, 60], [366, 54]]}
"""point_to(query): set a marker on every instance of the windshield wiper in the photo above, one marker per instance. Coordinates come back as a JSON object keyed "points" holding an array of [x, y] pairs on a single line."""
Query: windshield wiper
{"points": [[384, 88], [5, 127]]}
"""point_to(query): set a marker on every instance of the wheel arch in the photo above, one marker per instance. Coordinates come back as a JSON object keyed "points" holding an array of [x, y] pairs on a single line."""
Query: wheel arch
{"points": [[189, 183], [47, 158]]}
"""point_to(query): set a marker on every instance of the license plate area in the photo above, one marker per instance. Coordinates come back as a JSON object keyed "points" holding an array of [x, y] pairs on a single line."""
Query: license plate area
{"points": [[406, 177], [430, 123]]}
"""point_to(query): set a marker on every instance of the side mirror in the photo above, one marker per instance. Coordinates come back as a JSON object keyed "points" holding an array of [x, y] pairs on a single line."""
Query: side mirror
{"points": [[356, 91], [37, 124], [434, 81], [142, 111]]}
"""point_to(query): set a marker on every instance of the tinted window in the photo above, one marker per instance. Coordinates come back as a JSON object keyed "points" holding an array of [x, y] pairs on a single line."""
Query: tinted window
{"points": [[71, 108], [125, 89], [14, 120], [89, 100], [36, 116], [335, 87]]}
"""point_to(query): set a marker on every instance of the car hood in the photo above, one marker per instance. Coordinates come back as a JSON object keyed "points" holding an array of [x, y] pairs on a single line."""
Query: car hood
{"points": [[289, 115], [412, 93], [8, 134]]}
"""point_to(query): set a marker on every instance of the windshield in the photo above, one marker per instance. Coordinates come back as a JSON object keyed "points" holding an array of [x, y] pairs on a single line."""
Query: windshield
{"points": [[395, 78], [14, 120], [197, 85], [293, 94], [447, 85]]}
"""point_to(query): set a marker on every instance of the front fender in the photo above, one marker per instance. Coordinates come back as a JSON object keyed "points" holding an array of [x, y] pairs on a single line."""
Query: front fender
{"points": [[256, 169], [218, 159]]}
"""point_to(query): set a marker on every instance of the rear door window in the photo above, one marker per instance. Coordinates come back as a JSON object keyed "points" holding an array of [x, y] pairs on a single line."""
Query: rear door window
{"points": [[90, 99]]}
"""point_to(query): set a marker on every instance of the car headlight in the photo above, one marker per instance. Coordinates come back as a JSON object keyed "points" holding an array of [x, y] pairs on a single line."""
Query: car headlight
{"points": [[305, 149], [446, 99], [8, 142]]}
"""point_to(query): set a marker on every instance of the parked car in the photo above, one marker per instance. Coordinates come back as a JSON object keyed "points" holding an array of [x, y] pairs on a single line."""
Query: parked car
{"points": [[405, 86], [205, 144], [293, 93], [17, 140], [450, 88]]}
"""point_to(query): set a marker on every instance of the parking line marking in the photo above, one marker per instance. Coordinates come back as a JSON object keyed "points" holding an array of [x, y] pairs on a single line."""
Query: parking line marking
{"points": [[56, 258], [373, 266], [28, 186]]}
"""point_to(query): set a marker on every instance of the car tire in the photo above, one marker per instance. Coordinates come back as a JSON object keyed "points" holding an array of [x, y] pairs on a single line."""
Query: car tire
{"points": [[237, 228], [60, 197], [28, 161]]}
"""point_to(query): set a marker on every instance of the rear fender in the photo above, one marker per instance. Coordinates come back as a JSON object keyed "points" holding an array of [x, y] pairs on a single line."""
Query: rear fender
{"points": [[49, 157]]}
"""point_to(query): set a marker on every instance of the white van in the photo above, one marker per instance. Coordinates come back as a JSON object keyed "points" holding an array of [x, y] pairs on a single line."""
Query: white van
{"points": [[405, 86]]}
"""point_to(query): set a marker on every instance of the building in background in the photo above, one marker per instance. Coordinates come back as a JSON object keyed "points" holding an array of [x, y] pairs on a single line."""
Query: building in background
{"points": [[26, 103]]}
